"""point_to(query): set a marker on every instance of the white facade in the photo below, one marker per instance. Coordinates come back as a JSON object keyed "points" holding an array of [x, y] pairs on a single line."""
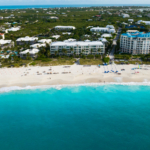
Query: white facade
{"points": [[112, 31], [38, 45], [130, 20], [106, 36], [45, 41], [14, 29], [99, 29], [27, 40], [103, 40], [135, 43], [78, 47], [146, 22], [53, 17], [32, 53], [108, 29], [125, 15], [2, 42], [65, 28]]}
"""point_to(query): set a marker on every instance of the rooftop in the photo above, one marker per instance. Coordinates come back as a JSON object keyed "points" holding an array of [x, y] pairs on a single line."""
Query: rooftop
{"points": [[137, 34], [5, 41], [27, 38], [76, 43], [30, 51]]}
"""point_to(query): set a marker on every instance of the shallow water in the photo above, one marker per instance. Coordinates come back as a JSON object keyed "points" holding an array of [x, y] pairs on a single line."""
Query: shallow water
{"points": [[106, 117]]}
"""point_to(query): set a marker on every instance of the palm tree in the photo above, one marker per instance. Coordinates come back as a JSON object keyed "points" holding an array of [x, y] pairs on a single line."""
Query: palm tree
{"points": [[74, 54], [91, 51], [48, 54], [99, 50], [56, 53], [71, 50], [63, 50]]}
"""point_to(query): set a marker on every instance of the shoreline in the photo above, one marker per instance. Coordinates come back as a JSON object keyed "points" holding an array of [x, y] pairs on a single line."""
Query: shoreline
{"points": [[73, 75], [59, 87]]}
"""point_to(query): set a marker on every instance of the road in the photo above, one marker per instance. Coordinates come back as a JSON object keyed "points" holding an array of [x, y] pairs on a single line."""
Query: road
{"points": [[111, 55]]}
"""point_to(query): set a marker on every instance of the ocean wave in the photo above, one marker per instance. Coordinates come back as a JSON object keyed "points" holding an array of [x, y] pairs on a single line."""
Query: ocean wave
{"points": [[59, 87]]}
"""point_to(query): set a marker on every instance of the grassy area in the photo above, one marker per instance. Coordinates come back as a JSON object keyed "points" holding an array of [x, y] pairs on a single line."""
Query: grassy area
{"points": [[90, 61], [132, 62], [16, 64], [54, 62]]}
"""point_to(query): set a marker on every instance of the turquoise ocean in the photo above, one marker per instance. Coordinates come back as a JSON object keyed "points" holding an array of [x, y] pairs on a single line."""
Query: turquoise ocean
{"points": [[104, 117]]}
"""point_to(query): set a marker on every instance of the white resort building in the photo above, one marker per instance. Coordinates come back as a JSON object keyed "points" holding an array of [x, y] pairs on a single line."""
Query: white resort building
{"points": [[135, 42], [107, 29], [141, 21], [48, 41], [65, 28], [6, 43], [26, 40], [32, 53], [77, 47], [106, 36]]}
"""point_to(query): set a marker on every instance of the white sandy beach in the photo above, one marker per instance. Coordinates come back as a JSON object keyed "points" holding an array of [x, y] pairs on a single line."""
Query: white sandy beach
{"points": [[75, 74]]}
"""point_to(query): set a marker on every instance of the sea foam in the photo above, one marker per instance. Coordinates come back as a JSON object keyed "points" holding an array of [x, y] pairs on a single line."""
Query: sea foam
{"points": [[59, 87]]}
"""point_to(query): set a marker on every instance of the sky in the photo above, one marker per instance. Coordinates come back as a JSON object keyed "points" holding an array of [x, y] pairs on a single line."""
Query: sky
{"points": [[58, 2]]}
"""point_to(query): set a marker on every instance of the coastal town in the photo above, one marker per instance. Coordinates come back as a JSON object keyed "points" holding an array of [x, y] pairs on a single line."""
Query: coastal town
{"points": [[74, 75], [109, 39]]}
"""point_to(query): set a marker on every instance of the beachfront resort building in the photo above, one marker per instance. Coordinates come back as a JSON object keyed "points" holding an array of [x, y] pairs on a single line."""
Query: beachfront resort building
{"points": [[135, 42], [77, 47], [64, 28], [26, 40], [29, 52]]}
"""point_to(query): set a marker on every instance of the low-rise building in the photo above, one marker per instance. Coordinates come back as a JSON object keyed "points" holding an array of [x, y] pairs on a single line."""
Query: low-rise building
{"points": [[141, 21], [48, 41], [103, 40], [31, 52], [56, 36], [99, 29], [106, 35], [27, 40], [125, 15], [77, 47], [135, 42], [14, 29], [107, 29], [6, 43], [130, 20], [65, 28], [110, 27], [38, 45]]}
